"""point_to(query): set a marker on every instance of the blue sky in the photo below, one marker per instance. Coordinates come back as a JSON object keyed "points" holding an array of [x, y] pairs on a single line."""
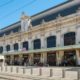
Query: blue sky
{"points": [[10, 10]]}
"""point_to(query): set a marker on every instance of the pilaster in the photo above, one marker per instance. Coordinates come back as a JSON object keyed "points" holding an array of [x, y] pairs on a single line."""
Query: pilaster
{"points": [[31, 59], [78, 57], [60, 55], [44, 58]]}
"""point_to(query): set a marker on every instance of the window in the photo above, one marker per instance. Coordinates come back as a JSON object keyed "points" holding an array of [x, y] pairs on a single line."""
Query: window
{"points": [[17, 29], [51, 41], [37, 44], [25, 45], [7, 32], [8, 48], [1, 49], [69, 38], [16, 46]]}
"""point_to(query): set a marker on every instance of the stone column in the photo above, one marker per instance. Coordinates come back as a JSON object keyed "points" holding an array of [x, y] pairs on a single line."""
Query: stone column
{"points": [[60, 55], [62, 39], [12, 47], [43, 42], [58, 39], [57, 58], [20, 58], [78, 57], [11, 59], [44, 58], [20, 46], [31, 59], [78, 28], [4, 48], [78, 35], [30, 44]]}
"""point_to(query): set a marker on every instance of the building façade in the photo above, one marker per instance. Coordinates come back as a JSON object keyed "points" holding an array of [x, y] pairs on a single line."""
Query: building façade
{"points": [[51, 37]]}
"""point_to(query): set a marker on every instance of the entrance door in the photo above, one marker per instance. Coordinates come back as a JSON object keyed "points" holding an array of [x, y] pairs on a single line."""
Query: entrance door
{"points": [[69, 58], [25, 60], [51, 58], [37, 58], [16, 60], [7, 60]]}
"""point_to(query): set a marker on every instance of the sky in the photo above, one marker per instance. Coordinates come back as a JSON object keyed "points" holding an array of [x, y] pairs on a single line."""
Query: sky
{"points": [[10, 10]]}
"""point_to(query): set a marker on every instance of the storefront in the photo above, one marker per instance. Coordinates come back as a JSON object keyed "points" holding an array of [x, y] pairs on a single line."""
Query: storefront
{"points": [[16, 60], [25, 59], [36, 58], [51, 58], [69, 58], [7, 60]]}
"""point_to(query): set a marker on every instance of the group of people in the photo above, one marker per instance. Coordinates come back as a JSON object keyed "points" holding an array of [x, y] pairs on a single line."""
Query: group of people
{"points": [[17, 62], [69, 60]]}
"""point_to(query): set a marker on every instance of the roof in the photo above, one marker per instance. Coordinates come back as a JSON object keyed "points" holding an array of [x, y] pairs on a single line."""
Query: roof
{"points": [[52, 7]]}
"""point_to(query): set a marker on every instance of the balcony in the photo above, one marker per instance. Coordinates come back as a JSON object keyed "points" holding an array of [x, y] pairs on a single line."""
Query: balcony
{"points": [[41, 50]]}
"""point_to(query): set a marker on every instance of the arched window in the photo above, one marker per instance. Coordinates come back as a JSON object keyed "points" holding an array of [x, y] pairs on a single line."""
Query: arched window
{"points": [[37, 44], [25, 45], [8, 48], [69, 38], [51, 41], [16, 47], [1, 49]]}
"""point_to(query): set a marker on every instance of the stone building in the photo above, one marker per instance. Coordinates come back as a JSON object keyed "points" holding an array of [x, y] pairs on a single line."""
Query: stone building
{"points": [[51, 37]]}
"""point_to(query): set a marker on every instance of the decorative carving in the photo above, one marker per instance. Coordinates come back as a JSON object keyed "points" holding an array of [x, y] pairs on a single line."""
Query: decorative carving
{"points": [[36, 36], [24, 16], [57, 31], [30, 27], [25, 22], [58, 21], [50, 34], [29, 35], [59, 17], [42, 31], [43, 21]]}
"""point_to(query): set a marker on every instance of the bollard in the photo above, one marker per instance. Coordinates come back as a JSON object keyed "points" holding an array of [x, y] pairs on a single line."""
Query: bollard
{"points": [[63, 73], [23, 70], [1, 68], [51, 72], [40, 71], [5, 68], [31, 71], [11, 69], [17, 69], [79, 74]]}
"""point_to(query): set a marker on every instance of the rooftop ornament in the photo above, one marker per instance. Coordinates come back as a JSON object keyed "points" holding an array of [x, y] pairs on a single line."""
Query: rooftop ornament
{"points": [[43, 22], [24, 16], [59, 17]]}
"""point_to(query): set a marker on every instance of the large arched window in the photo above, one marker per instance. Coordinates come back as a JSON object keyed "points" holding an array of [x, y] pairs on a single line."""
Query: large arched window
{"points": [[25, 45], [16, 47], [8, 48], [51, 41], [37, 44], [69, 38], [1, 49]]}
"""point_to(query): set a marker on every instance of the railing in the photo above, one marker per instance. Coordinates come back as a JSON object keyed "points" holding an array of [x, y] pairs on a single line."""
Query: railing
{"points": [[54, 72]]}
